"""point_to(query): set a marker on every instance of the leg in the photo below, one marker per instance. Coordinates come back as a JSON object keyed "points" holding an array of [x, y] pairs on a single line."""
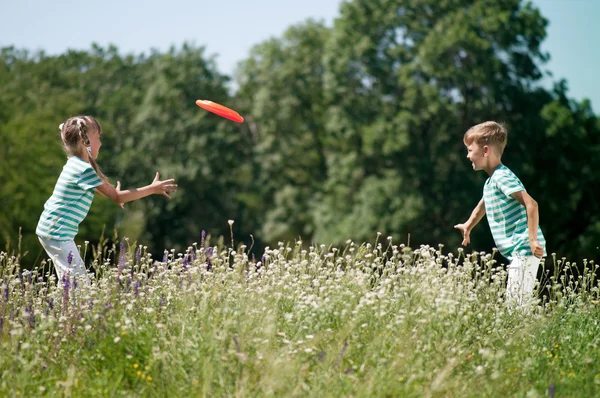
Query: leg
{"points": [[513, 285], [530, 274], [66, 258], [522, 273]]}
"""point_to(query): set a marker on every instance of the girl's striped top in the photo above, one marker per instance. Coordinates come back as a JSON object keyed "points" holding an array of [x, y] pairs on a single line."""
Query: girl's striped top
{"points": [[70, 201]]}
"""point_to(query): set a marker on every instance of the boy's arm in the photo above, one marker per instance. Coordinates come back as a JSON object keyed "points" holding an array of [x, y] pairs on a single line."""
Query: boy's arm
{"points": [[532, 220], [476, 216]]}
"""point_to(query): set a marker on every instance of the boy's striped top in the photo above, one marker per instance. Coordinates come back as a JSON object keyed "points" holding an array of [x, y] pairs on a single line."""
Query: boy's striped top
{"points": [[506, 216], [70, 201]]}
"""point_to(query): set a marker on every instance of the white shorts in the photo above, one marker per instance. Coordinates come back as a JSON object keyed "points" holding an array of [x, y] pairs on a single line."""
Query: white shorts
{"points": [[522, 273], [65, 256]]}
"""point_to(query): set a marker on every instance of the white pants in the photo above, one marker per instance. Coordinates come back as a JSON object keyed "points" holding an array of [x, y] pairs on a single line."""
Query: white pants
{"points": [[66, 258], [522, 273]]}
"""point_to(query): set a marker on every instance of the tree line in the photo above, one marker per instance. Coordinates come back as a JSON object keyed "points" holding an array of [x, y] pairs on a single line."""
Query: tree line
{"points": [[351, 129]]}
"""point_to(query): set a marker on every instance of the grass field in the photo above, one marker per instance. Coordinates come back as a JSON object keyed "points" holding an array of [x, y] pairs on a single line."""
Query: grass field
{"points": [[361, 320]]}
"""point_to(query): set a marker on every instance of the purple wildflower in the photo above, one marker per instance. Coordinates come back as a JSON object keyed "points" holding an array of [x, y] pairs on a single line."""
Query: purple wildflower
{"points": [[166, 257], [50, 303], [138, 255], [5, 295], [31, 316], [202, 240], [209, 251], [67, 284], [70, 258], [122, 253], [185, 261], [66, 281], [137, 287]]}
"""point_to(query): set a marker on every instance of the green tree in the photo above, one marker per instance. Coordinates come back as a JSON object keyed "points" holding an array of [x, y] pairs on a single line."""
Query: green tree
{"points": [[207, 155], [397, 84], [406, 81], [38, 93], [281, 89]]}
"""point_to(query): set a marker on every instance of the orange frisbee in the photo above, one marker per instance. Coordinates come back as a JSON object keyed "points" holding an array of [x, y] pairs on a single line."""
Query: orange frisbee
{"points": [[220, 110]]}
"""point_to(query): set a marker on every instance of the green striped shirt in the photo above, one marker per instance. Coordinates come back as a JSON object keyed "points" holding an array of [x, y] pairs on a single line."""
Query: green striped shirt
{"points": [[506, 216], [70, 201]]}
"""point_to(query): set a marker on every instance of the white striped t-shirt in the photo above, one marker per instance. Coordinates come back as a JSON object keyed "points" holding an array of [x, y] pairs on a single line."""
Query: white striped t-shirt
{"points": [[70, 201], [506, 215]]}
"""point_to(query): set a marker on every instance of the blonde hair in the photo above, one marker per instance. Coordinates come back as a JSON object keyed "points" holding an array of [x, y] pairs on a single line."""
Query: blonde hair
{"points": [[73, 132], [492, 134]]}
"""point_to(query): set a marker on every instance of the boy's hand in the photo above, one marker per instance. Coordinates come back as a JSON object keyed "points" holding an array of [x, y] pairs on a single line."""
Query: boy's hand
{"points": [[466, 233], [163, 187], [536, 248]]}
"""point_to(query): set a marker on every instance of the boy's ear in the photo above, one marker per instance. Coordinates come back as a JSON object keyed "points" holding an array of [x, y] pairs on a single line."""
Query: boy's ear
{"points": [[486, 150]]}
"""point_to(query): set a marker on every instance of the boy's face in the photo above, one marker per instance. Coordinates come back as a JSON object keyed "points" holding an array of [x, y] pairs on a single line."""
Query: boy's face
{"points": [[477, 155]]}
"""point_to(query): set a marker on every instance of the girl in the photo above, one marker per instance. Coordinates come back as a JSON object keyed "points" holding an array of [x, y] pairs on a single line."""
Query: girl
{"points": [[74, 192]]}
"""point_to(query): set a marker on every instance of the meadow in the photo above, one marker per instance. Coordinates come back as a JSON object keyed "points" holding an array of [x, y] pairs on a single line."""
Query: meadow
{"points": [[370, 319]]}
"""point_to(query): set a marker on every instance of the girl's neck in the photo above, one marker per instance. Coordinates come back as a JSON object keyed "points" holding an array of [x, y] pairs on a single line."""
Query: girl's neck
{"points": [[83, 153]]}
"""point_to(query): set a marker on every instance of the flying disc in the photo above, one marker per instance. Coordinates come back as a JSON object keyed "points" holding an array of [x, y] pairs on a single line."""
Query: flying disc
{"points": [[220, 110]]}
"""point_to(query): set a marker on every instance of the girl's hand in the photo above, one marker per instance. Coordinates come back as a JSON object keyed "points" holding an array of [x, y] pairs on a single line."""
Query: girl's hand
{"points": [[163, 187], [118, 188]]}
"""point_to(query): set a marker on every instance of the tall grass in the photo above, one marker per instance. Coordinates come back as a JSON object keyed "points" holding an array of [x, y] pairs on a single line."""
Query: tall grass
{"points": [[362, 320]]}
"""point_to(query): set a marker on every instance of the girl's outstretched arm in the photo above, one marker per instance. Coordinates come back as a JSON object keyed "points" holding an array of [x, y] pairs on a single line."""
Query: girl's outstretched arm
{"points": [[118, 188], [157, 187]]}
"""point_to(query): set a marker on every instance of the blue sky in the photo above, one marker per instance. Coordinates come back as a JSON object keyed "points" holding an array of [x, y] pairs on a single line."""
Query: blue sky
{"points": [[229, 28]]}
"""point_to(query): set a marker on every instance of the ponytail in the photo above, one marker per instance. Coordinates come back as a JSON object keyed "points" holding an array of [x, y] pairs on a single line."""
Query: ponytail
{"points": [[98, 170]]}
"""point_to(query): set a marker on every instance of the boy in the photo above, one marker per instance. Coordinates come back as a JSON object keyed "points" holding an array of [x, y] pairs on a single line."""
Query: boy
{"points": [[512, 214]]}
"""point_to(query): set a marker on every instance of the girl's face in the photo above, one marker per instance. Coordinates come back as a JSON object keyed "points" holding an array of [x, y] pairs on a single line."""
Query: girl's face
{"points": [[95, 143]]}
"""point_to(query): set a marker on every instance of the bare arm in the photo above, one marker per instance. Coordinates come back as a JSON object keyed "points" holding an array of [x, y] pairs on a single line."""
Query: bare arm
{"points": [[118, 188], [533, 218], [476, 216], [118, 196]]}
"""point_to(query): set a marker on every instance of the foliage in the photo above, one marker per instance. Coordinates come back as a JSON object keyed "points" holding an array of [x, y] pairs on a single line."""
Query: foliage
{"points": [[350, 130]]}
